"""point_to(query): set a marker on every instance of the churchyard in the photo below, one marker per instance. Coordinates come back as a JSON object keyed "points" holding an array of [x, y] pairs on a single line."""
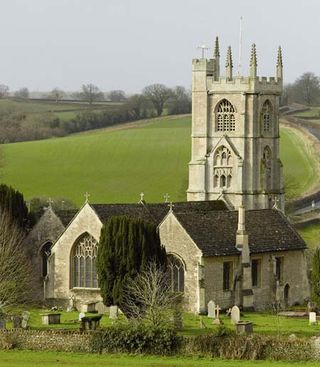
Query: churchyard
{"points": [[264, 323]]}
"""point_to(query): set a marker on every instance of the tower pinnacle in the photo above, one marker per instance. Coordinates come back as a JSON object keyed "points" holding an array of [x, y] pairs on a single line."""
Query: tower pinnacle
{"points": [[253, 61], [229, 64], [216, 52], [279, 64]]}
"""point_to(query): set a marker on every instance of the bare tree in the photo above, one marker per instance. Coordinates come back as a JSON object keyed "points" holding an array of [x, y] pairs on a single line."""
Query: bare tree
{"points": [[117, 96], [22, 93], [15, 270], [157, 94], [57, 94], [91, 93], [4, 91], [149, 297]]}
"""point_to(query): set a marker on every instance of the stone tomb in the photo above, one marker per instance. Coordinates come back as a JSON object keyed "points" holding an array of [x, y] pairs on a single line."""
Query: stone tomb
{"points": [[50, 318], [212, 309], [235, 314]]}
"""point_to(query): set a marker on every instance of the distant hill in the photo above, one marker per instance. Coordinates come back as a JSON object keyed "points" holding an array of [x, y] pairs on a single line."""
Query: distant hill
{"points": [[116, 164]]}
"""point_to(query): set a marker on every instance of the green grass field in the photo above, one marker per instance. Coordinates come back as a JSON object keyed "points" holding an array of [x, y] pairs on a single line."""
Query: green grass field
{"points": [[53, 359], [311, 234], [115, 165], [64, 110], [298, 162]]}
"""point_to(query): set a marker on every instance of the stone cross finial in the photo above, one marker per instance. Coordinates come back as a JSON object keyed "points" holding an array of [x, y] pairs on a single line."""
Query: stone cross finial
{"points": [[166, 198], [171, 206], [50, 202], [141, 197], [203, 49], [276, 201], [87, 195]]}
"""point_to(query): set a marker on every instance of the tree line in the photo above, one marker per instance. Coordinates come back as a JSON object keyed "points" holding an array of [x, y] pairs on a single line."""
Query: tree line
{"points": [[304, 90], [155, 100]]}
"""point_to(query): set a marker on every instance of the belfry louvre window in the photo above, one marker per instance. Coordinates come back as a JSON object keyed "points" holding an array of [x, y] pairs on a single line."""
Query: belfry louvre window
{"points": [[225, 118], [83, 263], [176, 272], [266, 116]]}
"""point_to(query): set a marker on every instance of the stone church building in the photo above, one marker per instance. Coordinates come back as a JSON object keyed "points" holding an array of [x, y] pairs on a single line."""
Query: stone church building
{"points": [[230, 242]]}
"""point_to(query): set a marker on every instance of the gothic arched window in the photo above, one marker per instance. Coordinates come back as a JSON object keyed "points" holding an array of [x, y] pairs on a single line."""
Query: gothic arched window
{"points": [[222, 170], [176, 272], [266, 116], [225, 118], [45, 252], [83, 262]]}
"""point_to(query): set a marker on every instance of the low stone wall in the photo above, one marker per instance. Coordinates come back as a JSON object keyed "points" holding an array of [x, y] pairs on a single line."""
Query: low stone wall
{"points": [[49, 340]]}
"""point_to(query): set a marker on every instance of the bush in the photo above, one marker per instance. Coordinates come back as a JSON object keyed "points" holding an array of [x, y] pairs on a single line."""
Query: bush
{"points": [[136, 338]]}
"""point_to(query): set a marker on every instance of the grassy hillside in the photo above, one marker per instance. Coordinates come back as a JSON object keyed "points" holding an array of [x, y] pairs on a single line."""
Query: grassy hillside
{"points": [[115, 165], [65, 110]]}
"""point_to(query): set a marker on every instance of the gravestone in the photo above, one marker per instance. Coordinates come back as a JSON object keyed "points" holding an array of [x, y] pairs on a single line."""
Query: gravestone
{"points": [[2, 323], [81, 315], [71, 307], [25, 319], [212, 309], [235, 314], [312, 318], [113, 312], [17, 322]]}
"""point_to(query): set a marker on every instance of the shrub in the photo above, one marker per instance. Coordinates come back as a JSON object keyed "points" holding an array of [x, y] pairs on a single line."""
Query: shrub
{"points": [[136, 338]]}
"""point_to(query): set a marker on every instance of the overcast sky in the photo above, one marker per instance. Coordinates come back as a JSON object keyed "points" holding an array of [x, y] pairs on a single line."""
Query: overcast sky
{"points": [[128, 44]]}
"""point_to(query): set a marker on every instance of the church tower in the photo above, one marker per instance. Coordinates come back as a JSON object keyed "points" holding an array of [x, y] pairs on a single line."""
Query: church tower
{"points": [[235, 134]]}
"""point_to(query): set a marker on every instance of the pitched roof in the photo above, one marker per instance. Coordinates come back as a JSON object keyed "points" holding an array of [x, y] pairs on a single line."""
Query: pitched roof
{"points": [[155, 212], [214, 232], [66, 216]]}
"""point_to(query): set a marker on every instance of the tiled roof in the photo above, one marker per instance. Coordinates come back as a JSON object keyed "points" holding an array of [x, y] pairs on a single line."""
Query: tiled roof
{"points": [[214, 232], [155, 212], [66, 216]]}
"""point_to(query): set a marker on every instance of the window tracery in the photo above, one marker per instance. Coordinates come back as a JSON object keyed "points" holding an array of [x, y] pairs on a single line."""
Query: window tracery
{"points": [[222, 171], [225, 118], [176, 271], [83, 262]]}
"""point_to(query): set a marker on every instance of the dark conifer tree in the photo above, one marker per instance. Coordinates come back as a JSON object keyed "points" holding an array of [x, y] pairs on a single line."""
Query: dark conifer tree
{"points": [[12, 202], [126, 247]]}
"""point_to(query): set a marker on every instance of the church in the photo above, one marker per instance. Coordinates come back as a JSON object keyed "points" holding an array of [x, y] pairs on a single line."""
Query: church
{"points": [[230, 242]]}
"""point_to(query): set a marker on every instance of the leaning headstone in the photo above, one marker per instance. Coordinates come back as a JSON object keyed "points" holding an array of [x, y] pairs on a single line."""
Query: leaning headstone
{"points": [[113, 312], [312, 318], [81, 315], [235, 314], [212, 309]]}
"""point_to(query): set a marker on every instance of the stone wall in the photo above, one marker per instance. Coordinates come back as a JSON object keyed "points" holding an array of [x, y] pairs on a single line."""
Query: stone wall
{"points": [[177, 242], [48, 340]]}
